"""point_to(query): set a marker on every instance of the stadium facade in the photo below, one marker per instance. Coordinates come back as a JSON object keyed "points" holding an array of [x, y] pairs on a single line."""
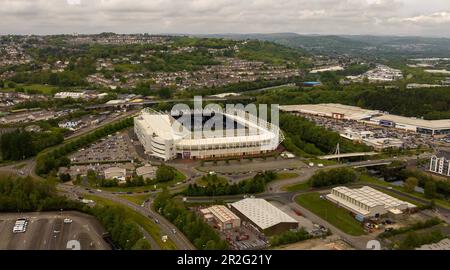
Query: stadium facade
{"points": [[205, 135]]}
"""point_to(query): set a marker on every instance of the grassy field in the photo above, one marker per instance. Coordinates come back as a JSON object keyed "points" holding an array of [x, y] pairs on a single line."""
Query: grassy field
{"points": [[298, 187], [337, 216], [286, 175], [137, 199], [143, 221], [203, 182], [44, 89]]}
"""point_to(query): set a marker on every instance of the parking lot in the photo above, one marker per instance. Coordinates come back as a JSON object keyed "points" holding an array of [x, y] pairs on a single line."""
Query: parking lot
{"points": [[410, 140], [48, 231], [114, 148]]}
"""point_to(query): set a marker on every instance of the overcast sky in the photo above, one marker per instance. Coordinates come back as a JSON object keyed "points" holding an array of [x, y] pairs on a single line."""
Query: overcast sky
{"points": [[375, 17]]}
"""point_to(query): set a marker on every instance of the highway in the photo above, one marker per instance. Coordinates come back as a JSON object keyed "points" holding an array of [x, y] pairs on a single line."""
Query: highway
{"points": [[165, 226]]}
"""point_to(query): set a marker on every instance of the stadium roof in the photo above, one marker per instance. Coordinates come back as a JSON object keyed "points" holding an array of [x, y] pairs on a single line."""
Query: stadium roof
{"points": [[262, 213]]}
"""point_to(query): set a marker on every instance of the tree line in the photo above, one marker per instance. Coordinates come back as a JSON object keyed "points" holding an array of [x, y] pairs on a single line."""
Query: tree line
{"points": [[304, 138], [124, 233], [20, 144], [290, 237], [339, 176], [196, 230], [252, 186], [420, 102], [27, 194]]}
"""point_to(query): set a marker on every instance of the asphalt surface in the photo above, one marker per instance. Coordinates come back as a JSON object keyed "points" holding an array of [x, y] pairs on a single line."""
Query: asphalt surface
{"points": [[47, 231]]}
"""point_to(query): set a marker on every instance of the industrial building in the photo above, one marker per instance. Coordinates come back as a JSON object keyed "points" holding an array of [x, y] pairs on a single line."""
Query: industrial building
{"points": [[440, 163], [430, 127], [223, 217], [74, 95], [147, 171], [332, 110], [264, 216], [367, 202], [380, 144], [168, 136], [116, 173], [368, 138], [373, 117]]}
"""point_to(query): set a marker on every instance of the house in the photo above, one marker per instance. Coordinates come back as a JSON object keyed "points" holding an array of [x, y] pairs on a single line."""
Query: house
{"points": [[147, 172]]}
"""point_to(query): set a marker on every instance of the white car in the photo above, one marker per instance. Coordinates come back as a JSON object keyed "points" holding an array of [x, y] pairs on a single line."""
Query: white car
{"points": [[68, 221]]}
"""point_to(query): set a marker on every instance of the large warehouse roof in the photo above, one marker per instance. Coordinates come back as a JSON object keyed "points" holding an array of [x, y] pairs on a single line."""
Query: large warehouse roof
{"points": [[372, 197], [328, 109], [431, 124], [262, 213]]}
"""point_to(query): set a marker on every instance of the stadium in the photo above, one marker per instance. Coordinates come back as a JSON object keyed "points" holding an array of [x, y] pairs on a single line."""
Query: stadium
{"points": [[204, 135]]}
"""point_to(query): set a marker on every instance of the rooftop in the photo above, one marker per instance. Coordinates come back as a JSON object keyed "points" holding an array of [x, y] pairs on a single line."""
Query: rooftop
{"points": [[222, 213], [372, 197], [431, 124], [262, 213], [327, 109]]}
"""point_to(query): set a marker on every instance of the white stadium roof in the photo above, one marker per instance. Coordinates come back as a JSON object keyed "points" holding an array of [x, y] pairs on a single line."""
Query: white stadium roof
{"points": [[262, 213]]}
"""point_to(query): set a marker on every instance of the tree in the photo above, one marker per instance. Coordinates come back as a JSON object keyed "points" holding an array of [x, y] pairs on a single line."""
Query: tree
{"points": [[430, 189], [16, 145], [410, 184], [142, 244], [64, 177], [165, 93], [164, 174]]}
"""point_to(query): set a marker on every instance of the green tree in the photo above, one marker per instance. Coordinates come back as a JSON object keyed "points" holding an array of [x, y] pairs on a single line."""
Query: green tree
{"points": [[430, 189], [142, 244], [164, 174], [410, 184]]}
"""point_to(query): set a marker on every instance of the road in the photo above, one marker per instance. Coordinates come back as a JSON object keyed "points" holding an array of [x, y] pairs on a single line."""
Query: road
{"points": [[165, 226], [109, 121]]}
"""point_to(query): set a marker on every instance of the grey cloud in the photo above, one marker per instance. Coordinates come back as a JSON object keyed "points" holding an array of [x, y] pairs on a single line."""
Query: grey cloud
{"points": [[390, 17]]}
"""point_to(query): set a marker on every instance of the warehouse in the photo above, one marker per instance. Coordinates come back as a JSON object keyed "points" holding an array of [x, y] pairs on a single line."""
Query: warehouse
{"points": [[367, 202], [332, 110], [264, 216], [222, 217], [168, 136], [431, 127], [373, 117]]}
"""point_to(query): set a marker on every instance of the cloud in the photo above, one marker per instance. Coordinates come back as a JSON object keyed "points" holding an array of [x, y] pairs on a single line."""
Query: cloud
{"points": [[224, 16], [435, 18]]}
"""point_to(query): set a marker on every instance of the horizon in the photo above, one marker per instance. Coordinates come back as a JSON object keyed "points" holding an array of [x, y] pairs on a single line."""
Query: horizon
{"points": [[211, 35]]}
